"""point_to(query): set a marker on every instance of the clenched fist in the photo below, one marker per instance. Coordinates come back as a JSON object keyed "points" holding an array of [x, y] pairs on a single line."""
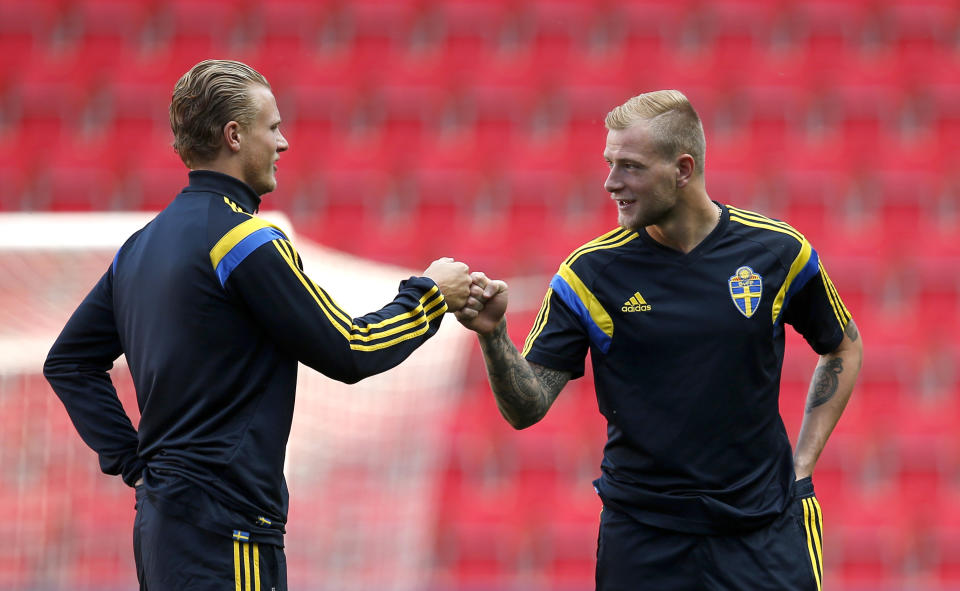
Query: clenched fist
{"points": [[454, 280]]}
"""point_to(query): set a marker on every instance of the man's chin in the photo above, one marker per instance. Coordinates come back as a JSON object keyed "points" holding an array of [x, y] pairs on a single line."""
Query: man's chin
{"points": [[630, 223], [267, 187]]}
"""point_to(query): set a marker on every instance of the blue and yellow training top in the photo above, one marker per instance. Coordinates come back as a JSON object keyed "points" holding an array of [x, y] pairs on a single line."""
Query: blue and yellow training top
{"points": [[212, 309], [687, 351]]}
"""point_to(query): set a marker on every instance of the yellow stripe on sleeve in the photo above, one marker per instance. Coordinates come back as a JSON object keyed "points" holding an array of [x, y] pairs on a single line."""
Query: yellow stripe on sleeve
{"points": [[756, 217], [540, 323], [611, 236], [427, 300], [614, 241], [235, 235], [768, 226], [841, 312], [597, 313], [798, 264], [435, 301], [306, 284]]}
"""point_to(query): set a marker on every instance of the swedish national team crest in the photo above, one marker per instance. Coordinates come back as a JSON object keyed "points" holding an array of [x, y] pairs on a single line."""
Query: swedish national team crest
{"points": [[745, 289]]}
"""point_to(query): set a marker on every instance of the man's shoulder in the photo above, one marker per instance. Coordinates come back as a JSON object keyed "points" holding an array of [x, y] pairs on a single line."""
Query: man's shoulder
{"points": [[775, 234], [596, 253]]}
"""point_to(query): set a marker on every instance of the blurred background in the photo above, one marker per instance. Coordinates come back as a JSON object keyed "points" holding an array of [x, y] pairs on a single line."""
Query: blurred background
{"points": [[474, 129]]}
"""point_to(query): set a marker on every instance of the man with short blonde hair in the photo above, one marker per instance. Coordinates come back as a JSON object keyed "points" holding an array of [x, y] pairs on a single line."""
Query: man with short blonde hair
{"points": [[683, 309], [674, 124], [210, 94], [213, 311]]}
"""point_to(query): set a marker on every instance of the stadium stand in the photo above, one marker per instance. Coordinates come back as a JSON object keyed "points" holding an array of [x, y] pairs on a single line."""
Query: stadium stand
{"points": [[422, 128]]}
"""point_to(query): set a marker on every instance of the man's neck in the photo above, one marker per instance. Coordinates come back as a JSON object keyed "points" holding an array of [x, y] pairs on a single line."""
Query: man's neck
{"points": [[685, 230]]}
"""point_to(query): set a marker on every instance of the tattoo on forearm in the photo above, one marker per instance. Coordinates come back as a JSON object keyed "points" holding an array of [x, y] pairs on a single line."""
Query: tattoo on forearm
{"points": [[551, 380], [851, 331], [523, 391], [513, 383], [826, 379]]}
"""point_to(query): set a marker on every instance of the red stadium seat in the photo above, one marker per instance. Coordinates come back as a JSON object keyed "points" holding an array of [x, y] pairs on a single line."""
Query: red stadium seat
{"points": [[945, 534], [480, 518], [33, 21], [560, 30], [918, 29], [348, 195], [110, 31], [936, 301], [866, 540], [183, 35], [155, 177], [82, 176], [736, 32], [287, 30], [471, 30], [138, 101], [569, 547], [15, 169], [652, 29], [826, 28]]}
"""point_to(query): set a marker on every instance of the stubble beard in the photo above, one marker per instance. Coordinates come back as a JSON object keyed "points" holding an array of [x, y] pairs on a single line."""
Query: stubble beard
{"points": [[641, 219]]}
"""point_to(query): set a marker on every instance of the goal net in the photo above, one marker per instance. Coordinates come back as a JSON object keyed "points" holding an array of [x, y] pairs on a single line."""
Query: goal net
{"points": [[363, 461]]}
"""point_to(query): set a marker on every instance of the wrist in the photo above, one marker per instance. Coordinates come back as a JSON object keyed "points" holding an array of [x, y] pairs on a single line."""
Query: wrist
{"points": [[802, 470], [496, 333]]}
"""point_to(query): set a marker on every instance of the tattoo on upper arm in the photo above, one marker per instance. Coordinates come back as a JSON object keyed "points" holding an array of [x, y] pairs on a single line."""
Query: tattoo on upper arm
{"points": [[851, 330], [826, 380]]}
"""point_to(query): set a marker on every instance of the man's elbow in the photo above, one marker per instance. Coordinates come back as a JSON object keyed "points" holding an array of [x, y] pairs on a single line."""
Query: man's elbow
{"points": [[521, 422], [855, 348], [53, 366]]}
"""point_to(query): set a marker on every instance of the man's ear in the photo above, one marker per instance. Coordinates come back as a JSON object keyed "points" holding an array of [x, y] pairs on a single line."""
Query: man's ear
{"points": [[685, 169], [231, 136]]}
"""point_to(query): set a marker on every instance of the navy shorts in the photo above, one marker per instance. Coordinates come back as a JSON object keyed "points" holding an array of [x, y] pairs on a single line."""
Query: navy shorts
{"points": [[783, 556], [173, 554]]}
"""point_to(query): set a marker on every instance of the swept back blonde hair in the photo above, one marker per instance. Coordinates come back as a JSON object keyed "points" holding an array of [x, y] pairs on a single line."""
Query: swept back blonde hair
{"points": [[210, 95], [674, 123]]}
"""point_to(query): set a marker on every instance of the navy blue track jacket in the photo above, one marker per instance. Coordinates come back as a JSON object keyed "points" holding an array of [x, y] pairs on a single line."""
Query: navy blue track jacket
{"points": [[211, 307]]}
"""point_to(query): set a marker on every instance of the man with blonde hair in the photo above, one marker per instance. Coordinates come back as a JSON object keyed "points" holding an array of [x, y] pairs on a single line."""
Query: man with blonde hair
{"points": [[683, 310], [210, 305]]}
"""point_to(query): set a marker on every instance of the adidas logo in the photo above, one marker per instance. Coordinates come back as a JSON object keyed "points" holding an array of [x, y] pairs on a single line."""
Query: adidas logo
{"points": [[636, 303]]}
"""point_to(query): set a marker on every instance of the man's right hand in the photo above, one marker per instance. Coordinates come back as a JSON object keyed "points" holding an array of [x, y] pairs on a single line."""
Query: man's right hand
{"points": [[486, 306], [454, 280]]}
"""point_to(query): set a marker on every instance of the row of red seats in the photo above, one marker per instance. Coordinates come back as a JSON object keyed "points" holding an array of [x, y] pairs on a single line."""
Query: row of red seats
{"points": [[748, 19], [61, 83], [920, 17], [908, 175]]}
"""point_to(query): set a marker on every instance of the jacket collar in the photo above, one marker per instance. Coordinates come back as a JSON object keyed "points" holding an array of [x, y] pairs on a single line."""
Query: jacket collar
{"points": [[208, 181]]}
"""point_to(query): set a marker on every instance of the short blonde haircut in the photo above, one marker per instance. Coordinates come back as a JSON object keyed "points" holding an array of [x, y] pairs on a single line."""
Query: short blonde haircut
{"points": [[205, 99], [674, 123]]}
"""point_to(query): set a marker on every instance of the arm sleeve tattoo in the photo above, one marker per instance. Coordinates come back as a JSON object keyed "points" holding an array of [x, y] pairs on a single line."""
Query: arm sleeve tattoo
{"points": [[825, 381], [524, 391]]}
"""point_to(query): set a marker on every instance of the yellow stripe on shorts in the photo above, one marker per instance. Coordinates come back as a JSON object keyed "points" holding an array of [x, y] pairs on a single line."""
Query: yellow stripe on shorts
{"points": [[813, 524]]}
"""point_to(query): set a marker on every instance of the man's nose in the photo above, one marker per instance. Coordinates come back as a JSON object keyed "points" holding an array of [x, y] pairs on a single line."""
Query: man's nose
{"points": [[612, 184]]}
